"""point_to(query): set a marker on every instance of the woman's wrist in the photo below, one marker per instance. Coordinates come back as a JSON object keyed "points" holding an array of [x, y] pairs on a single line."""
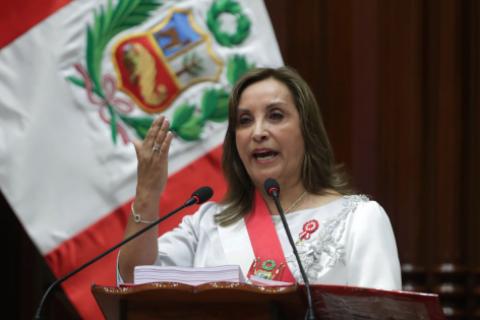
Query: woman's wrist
{"points": [[146, 205]]}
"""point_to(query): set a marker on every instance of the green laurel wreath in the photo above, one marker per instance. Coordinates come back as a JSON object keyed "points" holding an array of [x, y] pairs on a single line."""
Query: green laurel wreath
{"points": [[188, 121], [106, 25], [243, 23]]}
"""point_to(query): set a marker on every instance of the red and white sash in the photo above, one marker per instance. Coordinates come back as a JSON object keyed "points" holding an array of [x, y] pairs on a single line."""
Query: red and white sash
{"points": [[269, 256]]}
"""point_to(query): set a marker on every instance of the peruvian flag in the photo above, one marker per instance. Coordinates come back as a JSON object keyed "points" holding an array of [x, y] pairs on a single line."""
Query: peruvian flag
{"points": [[79, 80]]}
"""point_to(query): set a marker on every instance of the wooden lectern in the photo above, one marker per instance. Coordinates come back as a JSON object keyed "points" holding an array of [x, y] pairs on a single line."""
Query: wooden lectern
{"points": [[221, 300], [224, 300]]}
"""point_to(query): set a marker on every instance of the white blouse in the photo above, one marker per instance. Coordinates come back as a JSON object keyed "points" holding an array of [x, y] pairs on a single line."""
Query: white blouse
{"points": [[353, 245]]}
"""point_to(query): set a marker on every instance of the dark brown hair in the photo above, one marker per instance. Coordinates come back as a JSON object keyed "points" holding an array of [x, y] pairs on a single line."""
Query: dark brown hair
{"points": [[319, 171]]}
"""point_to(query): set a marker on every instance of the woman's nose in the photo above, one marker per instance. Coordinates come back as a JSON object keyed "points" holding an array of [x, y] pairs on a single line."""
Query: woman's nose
{"points": [[259, 132]]}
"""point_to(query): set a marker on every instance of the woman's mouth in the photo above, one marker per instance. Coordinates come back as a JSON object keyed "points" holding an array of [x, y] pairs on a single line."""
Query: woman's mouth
{"points": [[264, 155]]}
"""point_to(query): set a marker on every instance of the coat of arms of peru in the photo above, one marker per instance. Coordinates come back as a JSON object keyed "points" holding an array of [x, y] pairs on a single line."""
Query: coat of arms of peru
{"points": [[153, 60]]}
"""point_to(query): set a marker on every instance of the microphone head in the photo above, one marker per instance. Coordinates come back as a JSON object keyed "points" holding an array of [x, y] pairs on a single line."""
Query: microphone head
{"points": [[202, 194], [271, 186]]}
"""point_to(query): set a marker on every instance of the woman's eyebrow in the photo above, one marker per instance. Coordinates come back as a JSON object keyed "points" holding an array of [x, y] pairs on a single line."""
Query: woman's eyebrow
{"points": [[239, 110], [272, 105], [276, 104]]}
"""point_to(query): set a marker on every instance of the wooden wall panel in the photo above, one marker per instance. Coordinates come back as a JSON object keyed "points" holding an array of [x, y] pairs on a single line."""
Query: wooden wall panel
{"points": [[444, 102], [471, 169], [364, 102], [338, 77], [401, 142]]}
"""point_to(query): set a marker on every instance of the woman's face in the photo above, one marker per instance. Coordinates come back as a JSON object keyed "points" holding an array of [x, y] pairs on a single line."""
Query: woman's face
{"points": [[268, 135]]}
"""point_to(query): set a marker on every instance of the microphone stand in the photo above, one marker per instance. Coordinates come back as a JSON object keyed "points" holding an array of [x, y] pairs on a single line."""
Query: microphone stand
{"points": [[310, 314], [54, 285]]}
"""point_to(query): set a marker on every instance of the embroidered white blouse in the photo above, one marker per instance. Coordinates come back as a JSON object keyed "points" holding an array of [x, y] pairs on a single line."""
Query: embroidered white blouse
{"points": [[353, 245]]}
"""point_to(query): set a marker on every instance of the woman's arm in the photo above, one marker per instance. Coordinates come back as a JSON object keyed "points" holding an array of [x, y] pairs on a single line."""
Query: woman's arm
{"points": [[152, 173], [372, 257]]}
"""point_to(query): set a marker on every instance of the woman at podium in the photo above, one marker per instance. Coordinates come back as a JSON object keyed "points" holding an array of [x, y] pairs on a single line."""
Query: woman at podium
{"points": [[275, 130]]}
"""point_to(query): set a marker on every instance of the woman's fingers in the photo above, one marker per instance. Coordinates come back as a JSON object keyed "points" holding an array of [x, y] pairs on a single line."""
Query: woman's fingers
{"points": [[154, 139], [153, 132], [152, 170], [161, 135], [156, 151], [166, 145]]}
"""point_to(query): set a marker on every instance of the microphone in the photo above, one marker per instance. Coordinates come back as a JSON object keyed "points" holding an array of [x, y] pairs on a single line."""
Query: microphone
{"points": [[272, 188], [198, 197]]}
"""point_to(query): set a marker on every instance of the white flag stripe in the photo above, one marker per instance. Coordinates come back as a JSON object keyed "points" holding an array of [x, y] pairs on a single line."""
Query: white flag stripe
{"points": [[54, 152]]}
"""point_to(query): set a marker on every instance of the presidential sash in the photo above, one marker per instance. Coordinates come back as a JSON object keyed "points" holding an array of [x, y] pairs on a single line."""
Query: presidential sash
{"points": [[269, 262]]}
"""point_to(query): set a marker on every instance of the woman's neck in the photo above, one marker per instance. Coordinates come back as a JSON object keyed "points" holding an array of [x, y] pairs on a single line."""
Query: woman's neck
{"points": [[295, 197], [291, 197]]}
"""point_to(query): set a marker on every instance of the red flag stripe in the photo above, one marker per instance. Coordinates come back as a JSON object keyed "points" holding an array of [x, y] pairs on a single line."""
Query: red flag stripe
{"points": [[109, 231], [17, 17]]}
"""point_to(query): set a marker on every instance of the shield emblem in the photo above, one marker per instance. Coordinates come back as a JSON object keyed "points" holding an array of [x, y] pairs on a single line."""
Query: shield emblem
{"points": [[154, 67]]}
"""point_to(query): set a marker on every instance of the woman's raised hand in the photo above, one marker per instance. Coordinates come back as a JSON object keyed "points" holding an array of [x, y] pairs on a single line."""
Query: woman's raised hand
{"points": [[152, 155], [152, 173]]}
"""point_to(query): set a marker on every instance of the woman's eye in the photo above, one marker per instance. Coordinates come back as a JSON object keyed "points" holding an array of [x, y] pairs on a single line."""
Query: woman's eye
{"points": [[244, 119], [276, 115]]}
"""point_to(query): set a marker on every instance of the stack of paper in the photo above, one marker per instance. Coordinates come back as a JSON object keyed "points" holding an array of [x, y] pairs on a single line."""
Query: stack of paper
{"points": [[188, 275]]}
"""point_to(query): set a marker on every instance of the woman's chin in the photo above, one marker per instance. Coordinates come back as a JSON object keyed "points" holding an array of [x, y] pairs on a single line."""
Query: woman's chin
{"points": [[259, 179]]}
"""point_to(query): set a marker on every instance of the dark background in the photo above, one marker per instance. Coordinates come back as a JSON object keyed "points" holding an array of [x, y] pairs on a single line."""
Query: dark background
{"points": [[398, 82]]}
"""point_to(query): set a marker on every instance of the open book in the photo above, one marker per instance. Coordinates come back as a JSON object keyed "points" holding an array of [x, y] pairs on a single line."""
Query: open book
{"points": [[188, 275], [197, 276]]}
